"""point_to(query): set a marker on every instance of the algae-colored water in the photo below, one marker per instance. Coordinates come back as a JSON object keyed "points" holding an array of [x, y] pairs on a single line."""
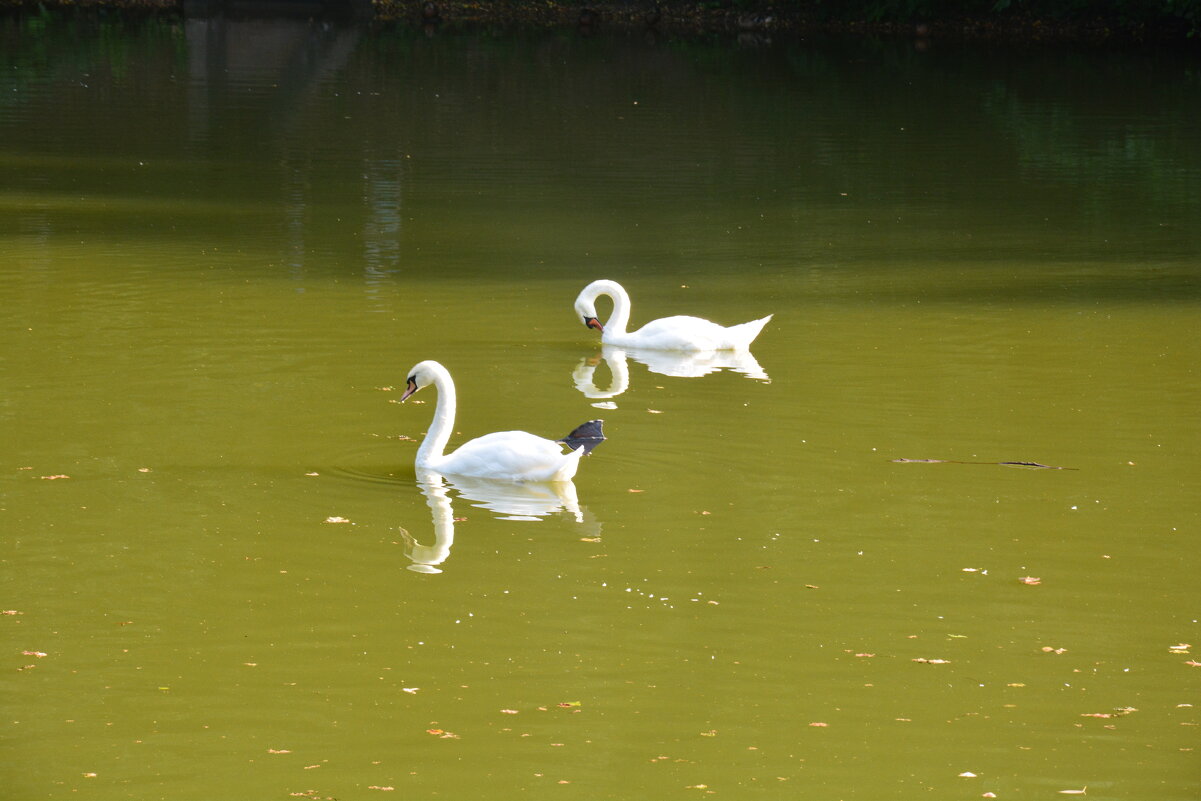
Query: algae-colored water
{"points": [[223, 243]]}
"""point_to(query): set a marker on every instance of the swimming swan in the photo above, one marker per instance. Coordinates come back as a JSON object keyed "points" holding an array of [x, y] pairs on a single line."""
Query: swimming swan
{"points": [[668, 333], [508, 455]]}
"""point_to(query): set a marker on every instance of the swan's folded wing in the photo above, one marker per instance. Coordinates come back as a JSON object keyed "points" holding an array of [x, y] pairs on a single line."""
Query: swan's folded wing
{"points": [[512, 456]]}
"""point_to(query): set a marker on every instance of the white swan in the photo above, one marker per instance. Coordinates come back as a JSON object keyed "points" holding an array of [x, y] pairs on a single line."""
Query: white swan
{"points": [[507, 455], [667, 333]]}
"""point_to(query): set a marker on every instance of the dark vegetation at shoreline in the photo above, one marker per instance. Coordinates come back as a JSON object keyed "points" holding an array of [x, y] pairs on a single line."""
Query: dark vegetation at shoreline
{"points": [[1017, 20]]}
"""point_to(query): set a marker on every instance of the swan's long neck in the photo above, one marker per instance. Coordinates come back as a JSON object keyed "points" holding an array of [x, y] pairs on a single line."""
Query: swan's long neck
{"points": [[434, 445], [620, 318]]}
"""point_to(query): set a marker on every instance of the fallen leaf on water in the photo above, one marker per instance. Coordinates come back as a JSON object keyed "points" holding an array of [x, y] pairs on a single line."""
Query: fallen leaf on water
{"points": [[89, 775], [812, 587], [636, 490], [590, 539], [819, 725], [1046, 649], [566, 704], [1030, 580]]}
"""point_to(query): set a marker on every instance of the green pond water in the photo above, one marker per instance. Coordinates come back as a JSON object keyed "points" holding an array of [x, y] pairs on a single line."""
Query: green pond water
{"points": [[224, 243]]}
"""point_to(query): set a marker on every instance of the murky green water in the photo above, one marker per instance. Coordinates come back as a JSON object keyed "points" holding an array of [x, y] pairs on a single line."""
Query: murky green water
{"points": [[223, 244]]}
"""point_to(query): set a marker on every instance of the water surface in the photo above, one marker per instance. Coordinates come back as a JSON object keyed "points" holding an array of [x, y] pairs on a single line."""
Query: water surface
{"points": [[224, 243]]}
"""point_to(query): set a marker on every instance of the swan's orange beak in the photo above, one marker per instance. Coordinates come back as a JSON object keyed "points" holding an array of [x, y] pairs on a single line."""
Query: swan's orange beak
{"points": [[410, 388], [592, 322]]}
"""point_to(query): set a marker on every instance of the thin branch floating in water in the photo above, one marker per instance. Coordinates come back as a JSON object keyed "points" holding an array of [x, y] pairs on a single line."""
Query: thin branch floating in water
{"points": [[1037, 465]]}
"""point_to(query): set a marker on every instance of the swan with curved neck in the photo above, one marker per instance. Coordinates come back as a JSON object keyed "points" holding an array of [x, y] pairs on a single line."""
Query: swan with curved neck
{"points": [[681, 333], [507, 455]]}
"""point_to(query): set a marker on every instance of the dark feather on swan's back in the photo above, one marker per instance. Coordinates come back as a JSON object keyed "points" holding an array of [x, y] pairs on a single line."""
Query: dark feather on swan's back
{"points": [[588, 434]]}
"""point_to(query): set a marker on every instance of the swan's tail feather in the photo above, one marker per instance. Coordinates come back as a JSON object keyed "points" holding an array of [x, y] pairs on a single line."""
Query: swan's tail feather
{"points": [[588, 436], [745, 333]]}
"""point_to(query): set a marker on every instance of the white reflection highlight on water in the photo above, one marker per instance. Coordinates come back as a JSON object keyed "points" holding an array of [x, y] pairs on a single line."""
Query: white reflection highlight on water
{"points": [[526, 501], [669, 363]]}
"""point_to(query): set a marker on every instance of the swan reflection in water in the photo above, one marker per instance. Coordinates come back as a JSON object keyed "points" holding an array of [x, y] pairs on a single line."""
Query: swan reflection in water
{"points": [[670, 363], [508, 500]]}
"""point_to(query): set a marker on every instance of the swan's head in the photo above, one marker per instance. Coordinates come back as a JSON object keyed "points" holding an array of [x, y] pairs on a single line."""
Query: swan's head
{"points": [[422, 375], [585, 308]]}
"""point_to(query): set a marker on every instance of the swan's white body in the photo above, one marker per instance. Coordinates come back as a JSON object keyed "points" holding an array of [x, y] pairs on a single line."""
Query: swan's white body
{"points": [[681, 333], [507, 455]]}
